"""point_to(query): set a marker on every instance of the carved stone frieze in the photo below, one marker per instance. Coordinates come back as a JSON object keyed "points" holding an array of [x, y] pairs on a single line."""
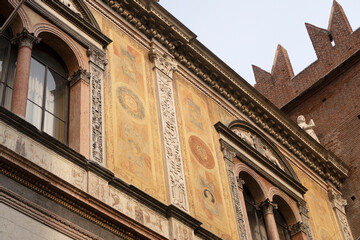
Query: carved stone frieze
{"points": [[338, 204], [163, 69], [97, 63], [304, 213], [25, 39], [229, 155]]}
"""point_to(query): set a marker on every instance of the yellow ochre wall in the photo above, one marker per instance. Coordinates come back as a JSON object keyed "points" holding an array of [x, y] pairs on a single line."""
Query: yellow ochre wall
{"points": [[133, 141]]}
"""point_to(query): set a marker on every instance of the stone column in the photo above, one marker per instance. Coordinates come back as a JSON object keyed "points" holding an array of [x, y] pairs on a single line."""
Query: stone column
{"points": [[163, 68], [267, 208], [338, 204], [298, 231], [97, 63], [238, 200], [25, 42], [79, 112]]}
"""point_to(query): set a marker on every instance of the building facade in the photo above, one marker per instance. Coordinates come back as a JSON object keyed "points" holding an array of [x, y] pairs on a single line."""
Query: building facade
{"points": [[116, 123], [327, 91]]}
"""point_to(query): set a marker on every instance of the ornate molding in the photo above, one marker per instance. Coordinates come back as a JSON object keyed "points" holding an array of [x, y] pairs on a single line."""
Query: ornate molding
{"points": [[80, 74], [338, 204], [97, 63], [297, 228], [229, 154], [163, 69], [304, 213], [163, 62], [181, 43], [25, 39]]}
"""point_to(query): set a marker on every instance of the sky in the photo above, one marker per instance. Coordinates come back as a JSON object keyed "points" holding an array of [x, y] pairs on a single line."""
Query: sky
{"points": [[246, 32]]}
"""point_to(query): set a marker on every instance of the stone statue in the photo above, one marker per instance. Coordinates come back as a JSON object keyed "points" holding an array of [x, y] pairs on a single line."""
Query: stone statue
{"points": [[269, 155], [307, 127], [247, 137]]}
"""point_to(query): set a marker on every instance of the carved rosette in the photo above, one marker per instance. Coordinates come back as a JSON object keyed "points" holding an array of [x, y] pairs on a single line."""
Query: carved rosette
{"points": [[97, 63], [338, 204], [163, 69], [234, 181], [25, 39]]}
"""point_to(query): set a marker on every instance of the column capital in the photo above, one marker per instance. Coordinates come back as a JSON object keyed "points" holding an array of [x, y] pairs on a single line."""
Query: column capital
{"points": [[297, 228], [240, 182], [80, 74], [267, 206], [97, 58], [337, 201], [164, 62], [25, 39]]}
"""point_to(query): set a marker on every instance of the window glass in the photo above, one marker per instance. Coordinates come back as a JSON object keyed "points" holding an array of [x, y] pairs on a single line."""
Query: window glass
{"points": [[256, 219], [54, 126], [36, 82], [281, 226], [56, 88], [33, 114]]}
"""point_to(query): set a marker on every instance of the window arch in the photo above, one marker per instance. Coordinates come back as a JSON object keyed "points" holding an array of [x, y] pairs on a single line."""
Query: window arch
{"points": [[48, 90], [255, 217], [7, 66]]}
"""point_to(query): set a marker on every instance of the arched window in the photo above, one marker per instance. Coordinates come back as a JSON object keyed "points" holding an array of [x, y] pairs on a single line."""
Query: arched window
{"points": [[255, 216], [7, 67], [281, 225], [47, 99]]}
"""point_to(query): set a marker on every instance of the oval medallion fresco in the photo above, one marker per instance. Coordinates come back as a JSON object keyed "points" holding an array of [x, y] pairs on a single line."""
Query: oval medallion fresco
{"points": [[201, 152], [130, 102]]}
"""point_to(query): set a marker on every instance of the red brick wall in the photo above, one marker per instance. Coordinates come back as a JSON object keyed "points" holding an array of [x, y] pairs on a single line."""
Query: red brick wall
{"points": [[335, 107], [335, 110]]}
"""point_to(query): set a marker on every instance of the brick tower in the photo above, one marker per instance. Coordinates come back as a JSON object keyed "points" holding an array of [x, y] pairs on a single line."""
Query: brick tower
{"points": [[327, 91]]}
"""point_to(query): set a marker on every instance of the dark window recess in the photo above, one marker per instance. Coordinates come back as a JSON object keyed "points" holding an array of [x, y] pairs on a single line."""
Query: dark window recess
{"points": [[324, 100], [353, 198], [358, 116]]}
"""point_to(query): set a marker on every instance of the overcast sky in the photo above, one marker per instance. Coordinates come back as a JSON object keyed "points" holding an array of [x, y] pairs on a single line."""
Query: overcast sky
{"points": [[246, 32]]}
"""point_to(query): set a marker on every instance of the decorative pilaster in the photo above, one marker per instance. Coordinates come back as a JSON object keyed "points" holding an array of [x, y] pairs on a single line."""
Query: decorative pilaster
{"points": [[163, 67], [25, 42], [304, 213], [79, 111], [338, 204], [97, 63], [235, 184], [267, 207]]}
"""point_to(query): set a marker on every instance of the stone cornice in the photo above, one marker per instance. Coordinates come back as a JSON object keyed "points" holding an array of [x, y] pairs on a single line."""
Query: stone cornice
{"points": [[87, 25], [156, 23]]}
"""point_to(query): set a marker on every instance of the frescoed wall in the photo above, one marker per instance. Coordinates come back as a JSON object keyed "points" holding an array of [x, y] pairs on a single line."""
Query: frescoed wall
{"points": [[132, 128], [208, 191], [322, 219]]}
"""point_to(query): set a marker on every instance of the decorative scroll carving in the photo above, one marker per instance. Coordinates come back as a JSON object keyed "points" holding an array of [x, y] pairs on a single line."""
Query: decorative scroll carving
{"points": [[256, 142], [297, 228], [267, 206], [25, 39], [70, 5], [338, 204], [229, 155], [80, 74], [163, 68], [97, 65], [163, 62], [304, 213]]}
